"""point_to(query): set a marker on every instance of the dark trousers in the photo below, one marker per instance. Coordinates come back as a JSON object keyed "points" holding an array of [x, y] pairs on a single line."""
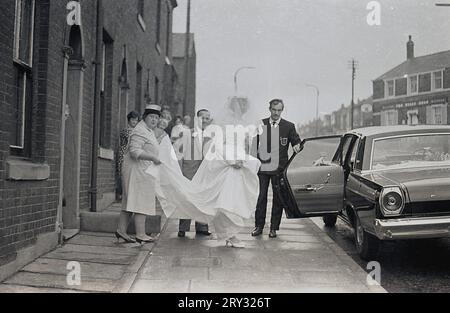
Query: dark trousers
{"points": [[185, 225], [261, 207]]}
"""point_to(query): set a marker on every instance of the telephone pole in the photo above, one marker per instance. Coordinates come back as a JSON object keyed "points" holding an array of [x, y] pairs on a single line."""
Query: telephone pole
{"points": [[353, 65]]}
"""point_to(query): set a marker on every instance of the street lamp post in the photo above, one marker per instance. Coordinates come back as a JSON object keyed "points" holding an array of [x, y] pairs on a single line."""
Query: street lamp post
{"points": [[236, 76], [317, 106]]}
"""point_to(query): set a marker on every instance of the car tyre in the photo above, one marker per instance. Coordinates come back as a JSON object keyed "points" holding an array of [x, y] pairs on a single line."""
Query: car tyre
{"points": [[330, 220], [367, 245]]}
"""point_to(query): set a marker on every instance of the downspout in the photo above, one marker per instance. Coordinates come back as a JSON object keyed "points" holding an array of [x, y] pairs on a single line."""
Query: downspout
{"points": [[96, 117]]}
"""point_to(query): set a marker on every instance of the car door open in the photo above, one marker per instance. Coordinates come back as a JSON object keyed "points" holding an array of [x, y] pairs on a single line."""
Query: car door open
{"points": [[313, 185]]}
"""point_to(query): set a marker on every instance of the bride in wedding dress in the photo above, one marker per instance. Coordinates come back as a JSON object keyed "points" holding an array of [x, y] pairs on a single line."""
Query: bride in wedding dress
{"points": [[225, 189]]}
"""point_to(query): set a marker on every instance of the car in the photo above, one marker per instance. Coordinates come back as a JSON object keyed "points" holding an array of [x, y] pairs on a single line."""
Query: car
{"points": [[386, 182]]}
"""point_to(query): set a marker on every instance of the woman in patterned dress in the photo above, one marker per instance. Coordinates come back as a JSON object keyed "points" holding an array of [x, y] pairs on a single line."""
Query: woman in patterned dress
{"points": [[133, 120]]}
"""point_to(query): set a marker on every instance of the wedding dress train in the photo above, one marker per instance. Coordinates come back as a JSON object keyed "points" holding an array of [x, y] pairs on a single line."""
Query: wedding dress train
{"points": [[219, 193]]}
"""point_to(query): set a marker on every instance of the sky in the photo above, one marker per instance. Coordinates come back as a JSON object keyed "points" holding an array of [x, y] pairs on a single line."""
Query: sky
{"points": [[292, 43]]}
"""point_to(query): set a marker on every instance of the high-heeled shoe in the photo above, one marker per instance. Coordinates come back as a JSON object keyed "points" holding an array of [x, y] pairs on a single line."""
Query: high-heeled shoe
{"points": [[141, 241], [233, 242], [125, 238]]}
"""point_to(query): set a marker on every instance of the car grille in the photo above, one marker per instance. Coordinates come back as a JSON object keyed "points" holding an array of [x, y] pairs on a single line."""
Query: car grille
{"points": [[430, 207]]}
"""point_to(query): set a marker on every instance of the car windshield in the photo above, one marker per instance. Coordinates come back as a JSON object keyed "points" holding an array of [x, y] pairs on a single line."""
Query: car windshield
{"points": [[411, 151]]}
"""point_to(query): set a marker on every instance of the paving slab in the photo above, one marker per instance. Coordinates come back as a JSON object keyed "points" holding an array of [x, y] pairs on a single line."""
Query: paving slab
{"points": [[249, 275], [167, 272], [89, 240], [283, 245], [26, 289], [160, 286], [92, 257], [88, 270], [99, 249], [227, 286], [60, 282]]}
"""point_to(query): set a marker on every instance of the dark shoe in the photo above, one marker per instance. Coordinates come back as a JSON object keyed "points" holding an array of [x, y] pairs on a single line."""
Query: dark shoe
{"points": [[203, 233], [181, 234], [273, 234], [257, 232], [126, 238]]}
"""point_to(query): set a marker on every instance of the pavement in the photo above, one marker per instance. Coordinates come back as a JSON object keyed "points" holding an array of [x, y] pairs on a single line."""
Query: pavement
{"points": [[302, 259]]}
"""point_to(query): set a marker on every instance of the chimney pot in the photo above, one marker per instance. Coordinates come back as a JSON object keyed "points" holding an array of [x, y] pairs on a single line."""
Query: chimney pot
{"points": [[410, 48]]}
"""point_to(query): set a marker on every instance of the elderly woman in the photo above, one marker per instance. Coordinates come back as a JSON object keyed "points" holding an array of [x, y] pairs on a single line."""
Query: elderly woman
{"points": [[133, 120], [139, 187]]}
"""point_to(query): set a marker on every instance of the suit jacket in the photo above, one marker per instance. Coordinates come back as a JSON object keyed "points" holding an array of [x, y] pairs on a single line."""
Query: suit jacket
{"points": [[194, 147], [273, 146]]}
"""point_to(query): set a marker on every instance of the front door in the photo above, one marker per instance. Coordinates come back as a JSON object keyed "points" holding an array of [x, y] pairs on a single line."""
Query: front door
{"points": [[313, 185]]}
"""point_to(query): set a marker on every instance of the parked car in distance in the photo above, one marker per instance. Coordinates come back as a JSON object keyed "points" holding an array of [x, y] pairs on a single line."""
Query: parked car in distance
{"points": [[387, 183]]}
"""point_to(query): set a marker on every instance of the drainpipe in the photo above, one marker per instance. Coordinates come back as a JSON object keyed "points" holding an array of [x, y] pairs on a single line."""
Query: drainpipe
{"points": [[96, 118]]}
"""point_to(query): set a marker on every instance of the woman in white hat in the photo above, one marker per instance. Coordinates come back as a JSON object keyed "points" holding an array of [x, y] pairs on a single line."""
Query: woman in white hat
{"points": [[139, 187]]}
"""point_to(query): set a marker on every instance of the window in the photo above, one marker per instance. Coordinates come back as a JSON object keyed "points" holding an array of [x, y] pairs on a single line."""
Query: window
{"points": [[419, 150], [437, 80], [158, 26], [413, 84], [106, 91], [156, 89], [401, 85], [413, 117], [20, 135], [140, 16], [425, 82], [320, 153], [138, 88], [353, 164], [141, 7], [168, 31], [390, 88], [389, 118], [437, 114]]}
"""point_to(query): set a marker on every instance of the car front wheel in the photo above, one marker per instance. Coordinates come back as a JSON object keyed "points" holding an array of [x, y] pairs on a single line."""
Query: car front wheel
{"points": [[367, 245]]}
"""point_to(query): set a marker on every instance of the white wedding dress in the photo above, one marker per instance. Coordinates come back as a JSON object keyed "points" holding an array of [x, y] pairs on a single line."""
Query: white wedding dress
{"points": [[218, 194]]}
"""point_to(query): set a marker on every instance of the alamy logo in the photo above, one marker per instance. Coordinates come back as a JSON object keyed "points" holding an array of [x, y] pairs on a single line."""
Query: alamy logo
{"points": [[73, 278], [374, 276], [374, 16], [74, 16]]}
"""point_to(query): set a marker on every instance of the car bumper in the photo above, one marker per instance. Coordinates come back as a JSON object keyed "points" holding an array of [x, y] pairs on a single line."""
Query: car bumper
{"points": [[412, 228]]}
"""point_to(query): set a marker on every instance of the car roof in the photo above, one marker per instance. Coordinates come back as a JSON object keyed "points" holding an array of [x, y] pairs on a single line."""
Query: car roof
{"points": [[377, 131]]}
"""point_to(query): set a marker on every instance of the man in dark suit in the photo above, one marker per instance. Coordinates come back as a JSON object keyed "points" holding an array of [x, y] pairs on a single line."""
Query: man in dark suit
{"points": [[275, 136], [195, 144]]}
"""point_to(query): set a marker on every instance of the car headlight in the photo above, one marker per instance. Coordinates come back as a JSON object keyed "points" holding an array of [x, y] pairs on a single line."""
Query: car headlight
{"points": [[392, 201]]}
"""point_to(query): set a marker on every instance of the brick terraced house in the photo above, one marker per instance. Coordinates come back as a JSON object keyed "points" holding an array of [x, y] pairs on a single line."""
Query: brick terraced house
{"points": [[70, 72], [415, 92]]}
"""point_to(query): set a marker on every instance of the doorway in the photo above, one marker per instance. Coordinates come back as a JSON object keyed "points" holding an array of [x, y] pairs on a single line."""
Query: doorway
{"points": [[72, 142]]}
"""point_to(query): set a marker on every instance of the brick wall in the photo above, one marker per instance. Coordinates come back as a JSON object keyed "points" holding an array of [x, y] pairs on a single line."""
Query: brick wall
{"points": [[29, 208]]}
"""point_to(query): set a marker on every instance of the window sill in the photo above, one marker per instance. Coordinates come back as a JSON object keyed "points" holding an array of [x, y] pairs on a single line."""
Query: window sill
{"points": [[141, 22], [22, 170], [105, 154]]}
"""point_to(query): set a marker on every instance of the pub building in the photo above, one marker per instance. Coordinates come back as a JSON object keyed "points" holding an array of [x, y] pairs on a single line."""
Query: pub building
{"points": [[414, 92]]}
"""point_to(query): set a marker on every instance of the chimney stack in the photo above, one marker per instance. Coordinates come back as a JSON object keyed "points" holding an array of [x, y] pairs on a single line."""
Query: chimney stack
{"points": [[410, 49]]}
